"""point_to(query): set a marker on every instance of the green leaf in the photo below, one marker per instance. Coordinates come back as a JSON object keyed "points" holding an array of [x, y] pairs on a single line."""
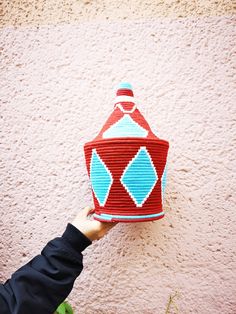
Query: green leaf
{"points": [[64, 308], [61, 309], [69, 309]]}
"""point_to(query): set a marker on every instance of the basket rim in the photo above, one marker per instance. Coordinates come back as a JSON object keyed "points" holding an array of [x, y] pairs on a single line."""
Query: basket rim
{"points": [[127, 140]]}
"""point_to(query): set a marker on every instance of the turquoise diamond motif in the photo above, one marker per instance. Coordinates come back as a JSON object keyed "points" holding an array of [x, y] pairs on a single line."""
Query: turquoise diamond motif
{"points": [[125, 127], [163, 180], [140, 177], [100, 177]]}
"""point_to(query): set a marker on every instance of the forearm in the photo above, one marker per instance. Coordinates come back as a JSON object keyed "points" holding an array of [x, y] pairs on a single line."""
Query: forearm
{"points": [[44, 282]]}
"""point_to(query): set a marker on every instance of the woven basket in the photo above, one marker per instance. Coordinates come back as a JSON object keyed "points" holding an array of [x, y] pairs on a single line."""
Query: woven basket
{"points": [[126, 164]]}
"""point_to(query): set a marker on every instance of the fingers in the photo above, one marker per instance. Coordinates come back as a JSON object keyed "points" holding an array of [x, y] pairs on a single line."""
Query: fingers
{"points": [[112, 223], [109, 225], [89, 211], [92, 211]]}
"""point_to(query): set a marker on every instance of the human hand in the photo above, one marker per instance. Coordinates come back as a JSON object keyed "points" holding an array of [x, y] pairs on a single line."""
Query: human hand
{"points": [[91, 228]]}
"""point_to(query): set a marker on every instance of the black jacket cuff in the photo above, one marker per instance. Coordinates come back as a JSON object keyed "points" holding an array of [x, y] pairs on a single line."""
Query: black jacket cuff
{"points": [[76, 238]]}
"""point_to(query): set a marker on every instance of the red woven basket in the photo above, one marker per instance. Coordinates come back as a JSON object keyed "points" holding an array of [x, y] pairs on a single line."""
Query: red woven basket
{"points": [[126, 164]]}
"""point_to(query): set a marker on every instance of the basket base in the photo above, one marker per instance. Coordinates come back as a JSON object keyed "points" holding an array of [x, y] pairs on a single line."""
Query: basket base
{"points": [[122, 218]]}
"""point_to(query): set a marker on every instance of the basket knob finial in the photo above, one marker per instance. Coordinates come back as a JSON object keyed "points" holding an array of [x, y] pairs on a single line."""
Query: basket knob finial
{"points": [[125, 85], [124, 89]]}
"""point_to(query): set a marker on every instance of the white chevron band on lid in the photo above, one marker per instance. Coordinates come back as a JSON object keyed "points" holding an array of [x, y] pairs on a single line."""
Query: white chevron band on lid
{"points": [[119, 105], [124, 98]]}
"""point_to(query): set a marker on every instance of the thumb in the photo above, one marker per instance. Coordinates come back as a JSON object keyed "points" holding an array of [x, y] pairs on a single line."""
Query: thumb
{"points": [[87, 210]]}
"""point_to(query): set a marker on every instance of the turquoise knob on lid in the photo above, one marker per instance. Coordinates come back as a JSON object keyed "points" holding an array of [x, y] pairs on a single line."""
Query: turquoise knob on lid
{"points": [[125, 85]]}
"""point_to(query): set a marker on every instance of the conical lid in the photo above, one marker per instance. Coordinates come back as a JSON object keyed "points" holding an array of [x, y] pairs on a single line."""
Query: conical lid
{"points": [[126, 121]]}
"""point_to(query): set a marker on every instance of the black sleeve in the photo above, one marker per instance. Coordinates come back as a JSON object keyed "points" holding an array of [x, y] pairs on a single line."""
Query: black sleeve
{"points": [[45, 281]]}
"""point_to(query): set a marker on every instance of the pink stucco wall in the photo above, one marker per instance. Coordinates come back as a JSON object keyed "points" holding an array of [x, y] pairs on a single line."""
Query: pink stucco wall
{"points": [[57, 86]]}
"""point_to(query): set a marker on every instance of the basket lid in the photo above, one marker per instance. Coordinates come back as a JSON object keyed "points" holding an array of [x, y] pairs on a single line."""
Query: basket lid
{"points": [[126, 121]]}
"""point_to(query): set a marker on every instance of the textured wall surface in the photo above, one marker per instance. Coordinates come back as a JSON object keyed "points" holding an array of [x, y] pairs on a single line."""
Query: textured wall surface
{"points": [[29, 12], [57, 87]]}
